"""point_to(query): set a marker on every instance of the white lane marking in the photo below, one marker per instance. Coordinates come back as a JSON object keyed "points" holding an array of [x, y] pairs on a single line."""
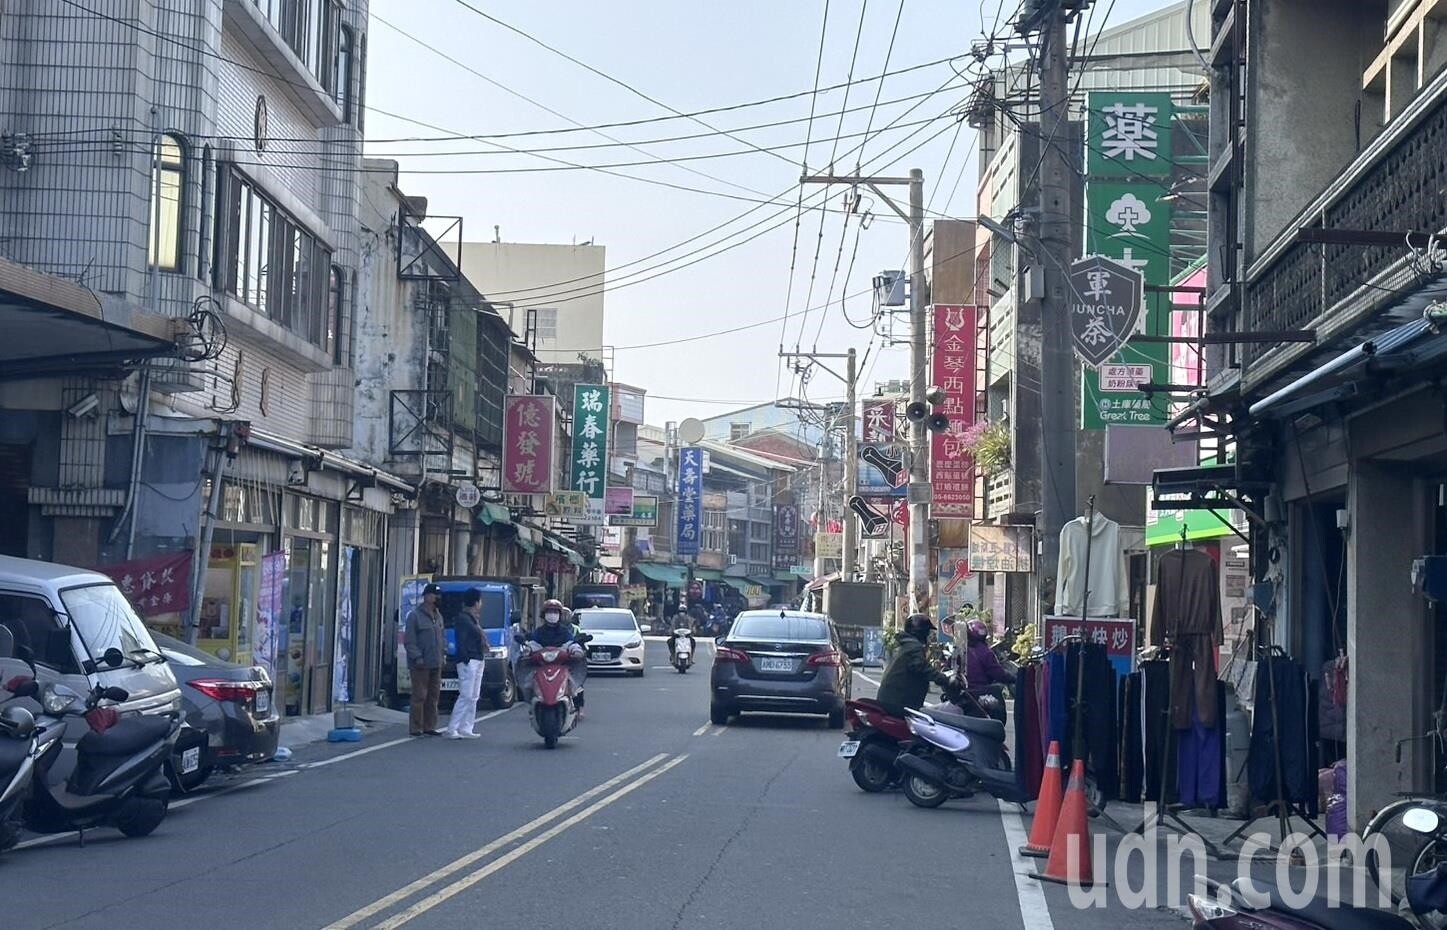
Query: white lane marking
{"points": [[866, 678], [1034, 912], [462, 884], [718, 731], [457, 865], [321, 763], [702, 730]]}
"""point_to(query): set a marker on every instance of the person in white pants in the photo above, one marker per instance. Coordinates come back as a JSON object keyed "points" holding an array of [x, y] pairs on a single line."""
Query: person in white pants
{"points": [[471, 651]]}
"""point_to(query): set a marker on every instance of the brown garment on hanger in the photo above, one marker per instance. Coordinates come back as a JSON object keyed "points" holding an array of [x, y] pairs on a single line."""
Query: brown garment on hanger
{"points": [[1187, 613]]}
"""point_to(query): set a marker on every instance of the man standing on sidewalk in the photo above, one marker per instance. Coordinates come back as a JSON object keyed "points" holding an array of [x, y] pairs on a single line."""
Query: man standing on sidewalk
{"points": [[471, 651], [426, 645]]}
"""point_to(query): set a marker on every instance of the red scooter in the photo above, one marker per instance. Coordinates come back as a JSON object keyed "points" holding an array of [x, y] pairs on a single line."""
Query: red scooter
{"points": [[877, 737], [551, 706]]}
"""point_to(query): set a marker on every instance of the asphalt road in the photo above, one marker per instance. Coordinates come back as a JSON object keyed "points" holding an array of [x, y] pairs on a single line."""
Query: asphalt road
{"points": [[647, 817]]}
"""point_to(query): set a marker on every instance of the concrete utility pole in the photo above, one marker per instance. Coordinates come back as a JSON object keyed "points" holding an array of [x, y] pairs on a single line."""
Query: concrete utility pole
{"points": [[850, 451], [919, 486], [1053, 248]]}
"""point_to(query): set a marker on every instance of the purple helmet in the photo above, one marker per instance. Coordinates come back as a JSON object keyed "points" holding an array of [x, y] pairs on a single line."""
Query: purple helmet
{"points": [[976, 629]]}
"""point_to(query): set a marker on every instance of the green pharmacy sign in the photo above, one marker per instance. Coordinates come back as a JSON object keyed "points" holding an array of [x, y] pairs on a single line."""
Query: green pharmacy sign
{"points": [[589, 474]]}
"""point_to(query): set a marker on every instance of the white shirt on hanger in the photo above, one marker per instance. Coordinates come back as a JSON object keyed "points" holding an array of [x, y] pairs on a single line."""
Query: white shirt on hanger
{"points": [[1109, 582]]}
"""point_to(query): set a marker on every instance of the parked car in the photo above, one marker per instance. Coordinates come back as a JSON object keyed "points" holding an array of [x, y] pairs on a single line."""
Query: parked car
{"points": [[231, 704], [786, 661], [617, 643]]}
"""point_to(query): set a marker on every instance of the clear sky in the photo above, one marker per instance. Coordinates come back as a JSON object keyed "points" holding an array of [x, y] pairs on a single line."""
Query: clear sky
{"points": [[689, 56]]}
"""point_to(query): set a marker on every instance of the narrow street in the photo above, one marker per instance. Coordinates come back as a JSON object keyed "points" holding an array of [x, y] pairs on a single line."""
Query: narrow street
{"points": [[668, 822]]}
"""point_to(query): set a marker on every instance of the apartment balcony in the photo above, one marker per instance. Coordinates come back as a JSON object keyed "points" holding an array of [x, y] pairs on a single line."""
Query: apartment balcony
{"points": [[999, 495], [1309, 278]]}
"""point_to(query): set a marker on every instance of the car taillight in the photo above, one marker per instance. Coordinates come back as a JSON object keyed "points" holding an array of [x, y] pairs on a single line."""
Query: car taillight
{"points": [[724, 655], [219, 689], [828, 659]]}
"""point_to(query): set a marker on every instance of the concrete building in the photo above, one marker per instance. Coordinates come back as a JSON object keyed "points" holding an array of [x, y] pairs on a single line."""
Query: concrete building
{"points": [[550, 294], [1327, 121]]}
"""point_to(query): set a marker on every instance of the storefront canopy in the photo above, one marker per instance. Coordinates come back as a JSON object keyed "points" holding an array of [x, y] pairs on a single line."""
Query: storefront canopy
{"points": [[708, 574], [488, 514], [674, 575], [787, 577]]}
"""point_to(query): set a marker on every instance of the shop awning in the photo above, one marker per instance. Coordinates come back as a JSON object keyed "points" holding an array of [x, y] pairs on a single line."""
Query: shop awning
{"points": [[667, 574], [526, 546], [575, 558], [488, 514], [761, 582], [818, 583], [787, 577], [708, 574]]}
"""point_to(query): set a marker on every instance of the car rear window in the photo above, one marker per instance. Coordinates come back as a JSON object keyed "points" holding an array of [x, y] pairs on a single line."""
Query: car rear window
{"points": [[796, 629], [609, 620]]}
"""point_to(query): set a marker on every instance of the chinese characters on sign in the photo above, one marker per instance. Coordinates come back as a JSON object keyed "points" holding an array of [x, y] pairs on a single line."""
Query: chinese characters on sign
{"points": [[1105, 305], [1115, 634], [643, 513], [952, 474], [158, 585], [529, 425], [1000, 548], [690, 500], [1129, 167], [786, 534], [881, 465], [589, 473]]}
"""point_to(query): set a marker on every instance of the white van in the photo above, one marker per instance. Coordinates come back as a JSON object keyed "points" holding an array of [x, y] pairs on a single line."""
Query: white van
{"points": [[82, 632]]}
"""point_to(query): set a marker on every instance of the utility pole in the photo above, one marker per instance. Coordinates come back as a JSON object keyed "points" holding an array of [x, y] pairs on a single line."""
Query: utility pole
{"points": [[919, 486], [850, 451], [1053, 248]]}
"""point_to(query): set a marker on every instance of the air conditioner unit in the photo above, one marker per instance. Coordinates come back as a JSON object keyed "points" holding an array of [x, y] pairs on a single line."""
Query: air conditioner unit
{"points": [[733, 560]]}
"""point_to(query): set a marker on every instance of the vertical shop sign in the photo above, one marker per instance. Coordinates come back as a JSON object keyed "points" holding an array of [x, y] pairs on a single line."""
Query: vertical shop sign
{"points": [[529, 436], [786, 534], [690, 500], [268, 612], [342, 654], [1129, 168], [953, 372], [589, 473]]}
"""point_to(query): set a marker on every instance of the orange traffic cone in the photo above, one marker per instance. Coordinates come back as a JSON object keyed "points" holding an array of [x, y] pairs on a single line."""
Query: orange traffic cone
{"points": [[1047, 808], [1069, 862]]}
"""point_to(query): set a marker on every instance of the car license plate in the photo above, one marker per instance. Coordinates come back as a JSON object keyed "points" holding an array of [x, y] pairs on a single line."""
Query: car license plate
{"points": [[776, 665], [848, 749], [190, 760], [263, 702], [449, 684], [601, 657]]}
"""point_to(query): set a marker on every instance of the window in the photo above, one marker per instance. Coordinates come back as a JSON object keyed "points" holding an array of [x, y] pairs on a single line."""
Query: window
{"points": [[738, 431], [780, 628], [312, 30], [343, 96], [30, 622], [547, 324], [715, 531], [333, 343], [104, 619], [168, 185], [269, 261]]}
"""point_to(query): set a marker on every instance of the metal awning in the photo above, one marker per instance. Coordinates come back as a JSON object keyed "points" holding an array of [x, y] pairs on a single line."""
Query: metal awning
{"points": [[489, 514], [667, 574], [51, 324], [708, 574], [1212, 488]]}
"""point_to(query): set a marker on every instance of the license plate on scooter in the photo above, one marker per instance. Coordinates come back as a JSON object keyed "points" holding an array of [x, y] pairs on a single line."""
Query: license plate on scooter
{"points": [[190, 760], [848, 749]]}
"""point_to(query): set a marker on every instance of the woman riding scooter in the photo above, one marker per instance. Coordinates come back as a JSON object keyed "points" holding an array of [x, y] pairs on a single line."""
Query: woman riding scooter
{"points": [[984, 675], [557, 631]]}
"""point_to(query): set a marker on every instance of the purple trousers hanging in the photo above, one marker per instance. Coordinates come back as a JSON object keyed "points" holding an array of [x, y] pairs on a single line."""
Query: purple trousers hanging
{"points": [[1198, 764]]}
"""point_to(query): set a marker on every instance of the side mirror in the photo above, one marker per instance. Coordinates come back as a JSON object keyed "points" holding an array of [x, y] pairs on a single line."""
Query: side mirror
{"points": [[584, 638], [114, 658], [27, 655], [718, 640], [1422, 820], [119, 695]]}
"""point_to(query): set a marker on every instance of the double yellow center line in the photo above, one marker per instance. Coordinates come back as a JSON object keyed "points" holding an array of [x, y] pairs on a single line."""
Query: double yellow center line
{"points": [[613, 789]]}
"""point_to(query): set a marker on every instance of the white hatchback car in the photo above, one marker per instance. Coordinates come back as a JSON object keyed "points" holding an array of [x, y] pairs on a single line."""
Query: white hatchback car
{"points": [[617, 643]]}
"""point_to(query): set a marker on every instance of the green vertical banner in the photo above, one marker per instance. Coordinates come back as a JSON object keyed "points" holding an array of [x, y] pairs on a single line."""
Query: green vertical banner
{"points": [[591, 412], [1129, 165]]}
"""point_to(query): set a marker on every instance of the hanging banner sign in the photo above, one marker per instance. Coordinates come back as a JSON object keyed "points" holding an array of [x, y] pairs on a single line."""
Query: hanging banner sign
{"points": [[1115, 634], [530, 423], [786, 533], [1129, 168], [1000, 548], [644, 513], [690, 500], [618, 502], [1105, 306], [829, 545], [589, 472], [571, 506], [952, 473]]}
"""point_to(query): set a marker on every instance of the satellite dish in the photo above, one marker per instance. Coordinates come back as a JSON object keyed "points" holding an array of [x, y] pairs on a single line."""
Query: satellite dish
{"points": [[691, 431]]}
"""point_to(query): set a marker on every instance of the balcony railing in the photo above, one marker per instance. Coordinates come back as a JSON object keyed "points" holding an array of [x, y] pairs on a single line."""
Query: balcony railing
{"points": [[1395, 185]]}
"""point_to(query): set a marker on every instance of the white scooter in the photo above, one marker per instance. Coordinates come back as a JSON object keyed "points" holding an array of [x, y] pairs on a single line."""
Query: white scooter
{"points": [[682, 649]]}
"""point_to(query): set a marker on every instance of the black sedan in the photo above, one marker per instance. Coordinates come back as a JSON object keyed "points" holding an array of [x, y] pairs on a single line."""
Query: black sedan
{"points": [[231, 704], [783, 661]]}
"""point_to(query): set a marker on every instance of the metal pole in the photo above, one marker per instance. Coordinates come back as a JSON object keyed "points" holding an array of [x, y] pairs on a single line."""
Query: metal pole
{"points": [[822, 521], [1057, 366], [919, 486], [851, 472]]}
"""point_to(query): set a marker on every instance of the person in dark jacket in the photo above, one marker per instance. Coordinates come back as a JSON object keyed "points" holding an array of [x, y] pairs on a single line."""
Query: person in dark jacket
{"points": [[471, 659], [984, 673], [908, 675], [425, 640], [555, 632]]}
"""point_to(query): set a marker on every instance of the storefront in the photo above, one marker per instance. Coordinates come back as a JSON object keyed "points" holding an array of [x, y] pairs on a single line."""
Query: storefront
{"points": [[664, 584]]}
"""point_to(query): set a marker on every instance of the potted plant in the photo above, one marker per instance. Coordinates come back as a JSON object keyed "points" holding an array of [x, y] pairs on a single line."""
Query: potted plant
{"points": [[988, 443]]}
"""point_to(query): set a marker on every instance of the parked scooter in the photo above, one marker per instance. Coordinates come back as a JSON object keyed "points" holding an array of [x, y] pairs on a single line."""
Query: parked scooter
{"points": [[873, 744], [551, 706], [1256, 904], [118, 779], [17, 761], [954, 756], [682, 649]]}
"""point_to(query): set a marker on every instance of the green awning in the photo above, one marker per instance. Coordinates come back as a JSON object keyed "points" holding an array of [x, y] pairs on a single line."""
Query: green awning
{"points": [[526, 546], [761, 582], [577, 560], [708, 574], [674, 575], [488, 514], [785, 575]]}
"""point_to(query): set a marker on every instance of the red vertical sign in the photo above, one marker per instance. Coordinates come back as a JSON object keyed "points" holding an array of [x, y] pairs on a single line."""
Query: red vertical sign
{"points": [[952, 475], [528, 440]]}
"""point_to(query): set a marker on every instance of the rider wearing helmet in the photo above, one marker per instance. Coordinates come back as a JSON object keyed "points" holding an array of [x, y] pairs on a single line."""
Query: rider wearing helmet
{"points": [[555, 631], [907, 678], [983, 667]]}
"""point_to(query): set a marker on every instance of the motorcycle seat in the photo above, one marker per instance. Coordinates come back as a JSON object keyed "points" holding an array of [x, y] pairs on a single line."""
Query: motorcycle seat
{"points": [[129, 736], [982, 727], [1320, 912]]}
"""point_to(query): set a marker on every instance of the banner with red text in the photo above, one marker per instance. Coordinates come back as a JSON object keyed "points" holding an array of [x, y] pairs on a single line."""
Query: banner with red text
{"points": [[952, 475]]}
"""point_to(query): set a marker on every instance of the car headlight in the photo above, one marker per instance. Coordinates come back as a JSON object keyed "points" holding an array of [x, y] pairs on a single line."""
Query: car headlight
{"points": [[57, 698], [633, 644]]}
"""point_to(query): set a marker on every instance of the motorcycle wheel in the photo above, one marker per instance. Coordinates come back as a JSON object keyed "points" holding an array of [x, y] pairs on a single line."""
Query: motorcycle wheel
{"points": [[10, 827], [922, 793], [552, 726], [142, 816], [870, 775]]}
